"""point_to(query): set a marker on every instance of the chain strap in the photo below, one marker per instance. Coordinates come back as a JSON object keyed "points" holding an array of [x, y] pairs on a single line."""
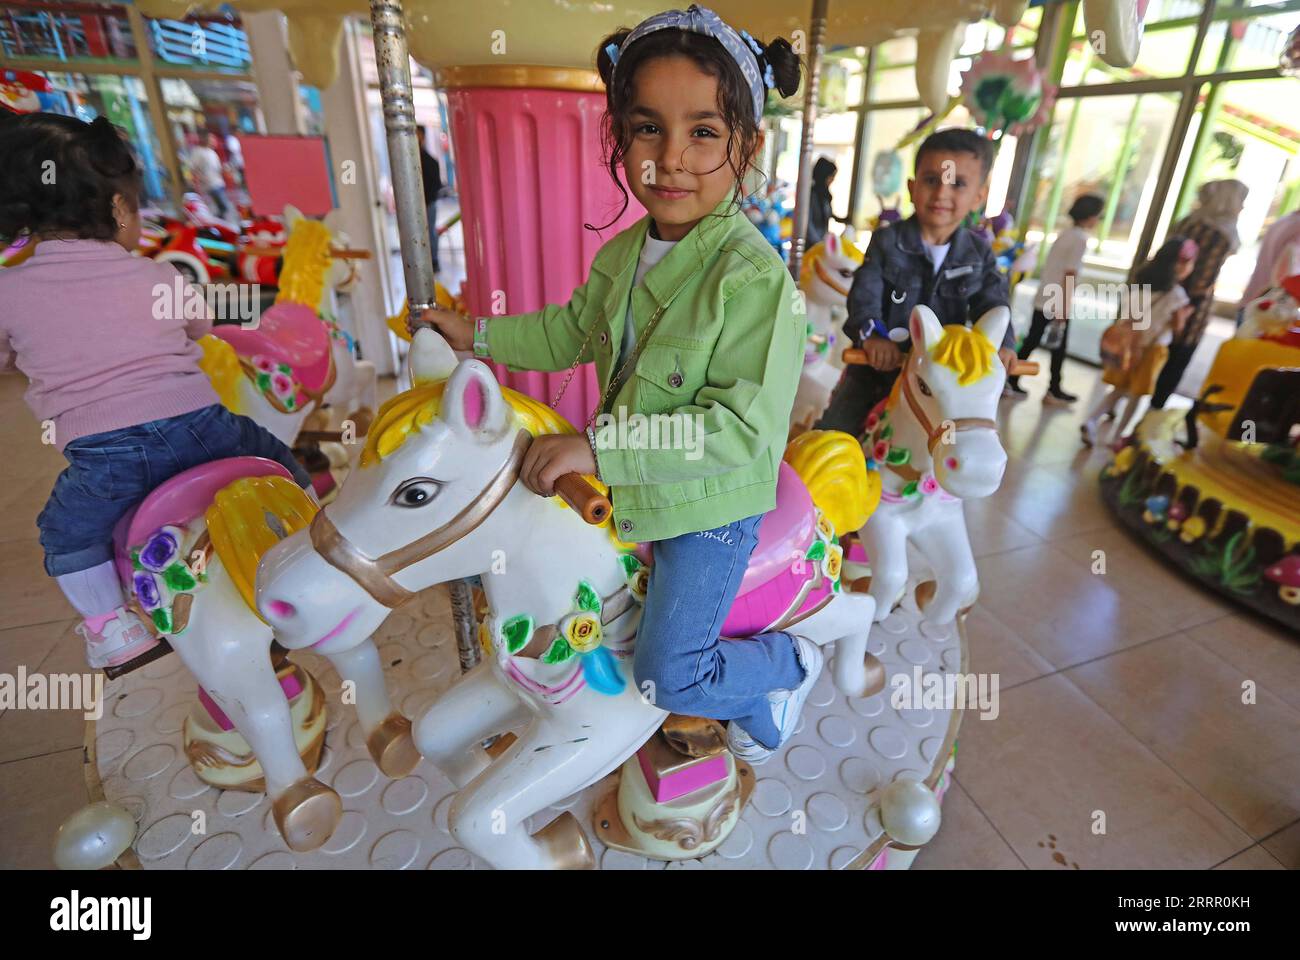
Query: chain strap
{"points": [[615, 382]]}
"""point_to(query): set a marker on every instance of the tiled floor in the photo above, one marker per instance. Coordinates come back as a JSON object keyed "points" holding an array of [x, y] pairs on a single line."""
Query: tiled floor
{"points": [[1121, 738]]}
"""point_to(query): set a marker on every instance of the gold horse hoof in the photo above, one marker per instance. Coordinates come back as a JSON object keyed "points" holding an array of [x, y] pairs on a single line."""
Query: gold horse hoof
{"points": [[566, 844], [307, 814], [924, 594], [875, 672], [392, 747]]}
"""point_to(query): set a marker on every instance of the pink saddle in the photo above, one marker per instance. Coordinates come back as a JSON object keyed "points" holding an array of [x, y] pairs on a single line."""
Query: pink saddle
{"points": [[288, 333], [181, 499], [773, 578]]}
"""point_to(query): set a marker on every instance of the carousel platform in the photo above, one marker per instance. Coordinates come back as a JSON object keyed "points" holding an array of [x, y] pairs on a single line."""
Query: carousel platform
{"points": [[833, 771], [1221, 513]]}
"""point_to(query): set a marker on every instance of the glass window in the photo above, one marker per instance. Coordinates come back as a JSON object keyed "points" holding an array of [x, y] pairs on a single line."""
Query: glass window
{"points": [[1246, 44], [1252, 137], [1167, 40], [216, 112], [1125, 138], [124, 101], [65, 31], [210, 42]]}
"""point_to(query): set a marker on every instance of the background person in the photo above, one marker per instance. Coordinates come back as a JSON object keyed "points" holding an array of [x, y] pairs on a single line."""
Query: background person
{"points": [[1213, 228]]}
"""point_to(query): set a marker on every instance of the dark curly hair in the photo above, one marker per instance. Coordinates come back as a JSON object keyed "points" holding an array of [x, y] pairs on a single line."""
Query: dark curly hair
{"points": [[735, 102], [60, 176]]}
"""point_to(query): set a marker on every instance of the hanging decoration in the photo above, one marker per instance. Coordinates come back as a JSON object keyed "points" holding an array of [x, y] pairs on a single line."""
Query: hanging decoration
{"points": [[1005, 95]]}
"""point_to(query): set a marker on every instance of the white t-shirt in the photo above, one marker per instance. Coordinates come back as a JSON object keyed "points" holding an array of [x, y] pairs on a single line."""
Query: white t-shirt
{"points": [[651, 253], [1161, 329], [936, 252], [206, 167], [1066, 256]]}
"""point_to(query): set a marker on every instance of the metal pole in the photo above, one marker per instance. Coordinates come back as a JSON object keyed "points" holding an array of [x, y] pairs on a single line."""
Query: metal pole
{"points": [[393, 62], [804, 190]]}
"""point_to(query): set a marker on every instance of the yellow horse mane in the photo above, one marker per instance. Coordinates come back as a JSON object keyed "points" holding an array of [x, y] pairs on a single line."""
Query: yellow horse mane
{"points": [[966, 352], [221, 364], [834, 469], [306, 263], [250, 516], [818, 250]]}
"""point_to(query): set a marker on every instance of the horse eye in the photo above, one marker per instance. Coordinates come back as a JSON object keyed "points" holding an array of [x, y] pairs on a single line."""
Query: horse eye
{"points": [[925, 387], [846, 274], [415, 493]]}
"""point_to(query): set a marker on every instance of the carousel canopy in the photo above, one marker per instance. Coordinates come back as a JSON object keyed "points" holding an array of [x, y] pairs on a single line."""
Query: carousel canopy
{"points": [[450, 33]]}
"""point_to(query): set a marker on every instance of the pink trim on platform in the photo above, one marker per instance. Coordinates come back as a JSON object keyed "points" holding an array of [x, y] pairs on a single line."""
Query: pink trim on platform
{"points": [[289, 684], [530, 176], [684, 781]]}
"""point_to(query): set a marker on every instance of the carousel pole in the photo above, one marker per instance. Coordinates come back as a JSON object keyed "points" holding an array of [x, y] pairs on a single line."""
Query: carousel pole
{"points": [[393, 62], [804, 191]]}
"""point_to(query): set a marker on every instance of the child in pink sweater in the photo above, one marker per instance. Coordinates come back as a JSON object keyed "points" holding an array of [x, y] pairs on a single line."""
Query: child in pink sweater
{"points": [[112, 366]]}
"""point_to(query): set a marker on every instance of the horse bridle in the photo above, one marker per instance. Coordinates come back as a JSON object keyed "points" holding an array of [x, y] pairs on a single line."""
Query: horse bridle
{"points": [[375, 574], [827, 279], [935, 434]]}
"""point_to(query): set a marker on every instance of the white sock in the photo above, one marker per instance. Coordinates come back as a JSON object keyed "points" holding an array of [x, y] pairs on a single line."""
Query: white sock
{"points": [[94, 592]]}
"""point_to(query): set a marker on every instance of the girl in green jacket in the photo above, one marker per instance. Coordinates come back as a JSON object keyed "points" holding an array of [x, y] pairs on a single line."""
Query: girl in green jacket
{"points": [[697, 333]]}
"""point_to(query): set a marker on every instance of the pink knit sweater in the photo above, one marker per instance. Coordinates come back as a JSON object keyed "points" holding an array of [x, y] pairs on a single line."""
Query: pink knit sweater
{"points": [[81, 319]]}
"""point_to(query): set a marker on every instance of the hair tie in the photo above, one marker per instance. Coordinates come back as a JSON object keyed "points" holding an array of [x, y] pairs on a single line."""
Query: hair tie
{"points": [[612, 50], [768, 78]]}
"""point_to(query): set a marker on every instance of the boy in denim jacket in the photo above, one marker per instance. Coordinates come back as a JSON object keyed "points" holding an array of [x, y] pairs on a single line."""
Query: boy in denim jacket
{"points": [[929, 258]]}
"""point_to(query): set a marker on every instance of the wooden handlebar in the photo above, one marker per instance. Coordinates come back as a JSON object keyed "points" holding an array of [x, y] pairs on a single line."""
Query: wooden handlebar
{"points": [[590, 504], [1021, 368]]}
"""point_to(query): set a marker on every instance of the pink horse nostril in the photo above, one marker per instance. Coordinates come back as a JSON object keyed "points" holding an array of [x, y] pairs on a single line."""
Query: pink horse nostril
{"points": [[280, 608], [951, 463]]}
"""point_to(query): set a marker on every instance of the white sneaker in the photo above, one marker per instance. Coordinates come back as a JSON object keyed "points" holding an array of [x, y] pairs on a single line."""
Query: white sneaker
{"points": [[786, 707], [1088, 433], [121, 639]]}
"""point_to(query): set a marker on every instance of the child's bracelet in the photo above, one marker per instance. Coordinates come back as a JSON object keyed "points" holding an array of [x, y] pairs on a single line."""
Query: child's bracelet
{"points": [[480, 337]]}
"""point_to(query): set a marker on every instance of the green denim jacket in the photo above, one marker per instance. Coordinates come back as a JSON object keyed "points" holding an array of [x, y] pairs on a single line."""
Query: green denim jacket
{"points": [[726, 353]]}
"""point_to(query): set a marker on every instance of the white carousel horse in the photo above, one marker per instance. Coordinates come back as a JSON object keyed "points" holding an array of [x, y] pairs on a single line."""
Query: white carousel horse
{"points": [[935, 443], [188, 557], [825, 278], [435, 500], [294, 361]]}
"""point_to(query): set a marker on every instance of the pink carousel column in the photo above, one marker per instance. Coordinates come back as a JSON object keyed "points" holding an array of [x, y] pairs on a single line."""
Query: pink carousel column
{"points": [[527, 143]]}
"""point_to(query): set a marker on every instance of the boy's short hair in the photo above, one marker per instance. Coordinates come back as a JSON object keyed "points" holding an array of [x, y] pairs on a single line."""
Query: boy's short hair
{"points": [[1086, 207], [958, 140]]}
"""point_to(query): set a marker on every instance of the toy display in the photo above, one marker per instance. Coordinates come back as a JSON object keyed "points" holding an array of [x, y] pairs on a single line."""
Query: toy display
{"points": [[1216, 490], [772, 212]]}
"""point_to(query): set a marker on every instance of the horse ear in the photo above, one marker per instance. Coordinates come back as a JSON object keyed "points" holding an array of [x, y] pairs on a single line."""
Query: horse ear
{"points": [[431, 357], [472, 403], [832, 244], [994, 324], [925, 328], [291, 215]]}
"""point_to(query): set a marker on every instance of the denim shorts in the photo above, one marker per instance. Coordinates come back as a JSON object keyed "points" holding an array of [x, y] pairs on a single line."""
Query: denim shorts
{"points": [[109, 473]]}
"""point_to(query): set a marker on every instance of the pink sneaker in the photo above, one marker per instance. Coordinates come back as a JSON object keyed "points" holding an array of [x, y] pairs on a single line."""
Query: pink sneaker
{"points": [[119, 640]]}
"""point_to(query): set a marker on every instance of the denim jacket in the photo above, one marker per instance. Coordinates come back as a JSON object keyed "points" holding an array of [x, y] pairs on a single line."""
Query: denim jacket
{"points": [[897, 274]]}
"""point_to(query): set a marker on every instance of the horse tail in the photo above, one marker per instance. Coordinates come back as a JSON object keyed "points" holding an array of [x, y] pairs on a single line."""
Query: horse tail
{"points": [[834, 469], [221, 364]]}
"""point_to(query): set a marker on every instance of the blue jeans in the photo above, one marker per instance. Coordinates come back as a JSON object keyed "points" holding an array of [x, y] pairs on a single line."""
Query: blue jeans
{"points": [[109, 473], [693, 582]]}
